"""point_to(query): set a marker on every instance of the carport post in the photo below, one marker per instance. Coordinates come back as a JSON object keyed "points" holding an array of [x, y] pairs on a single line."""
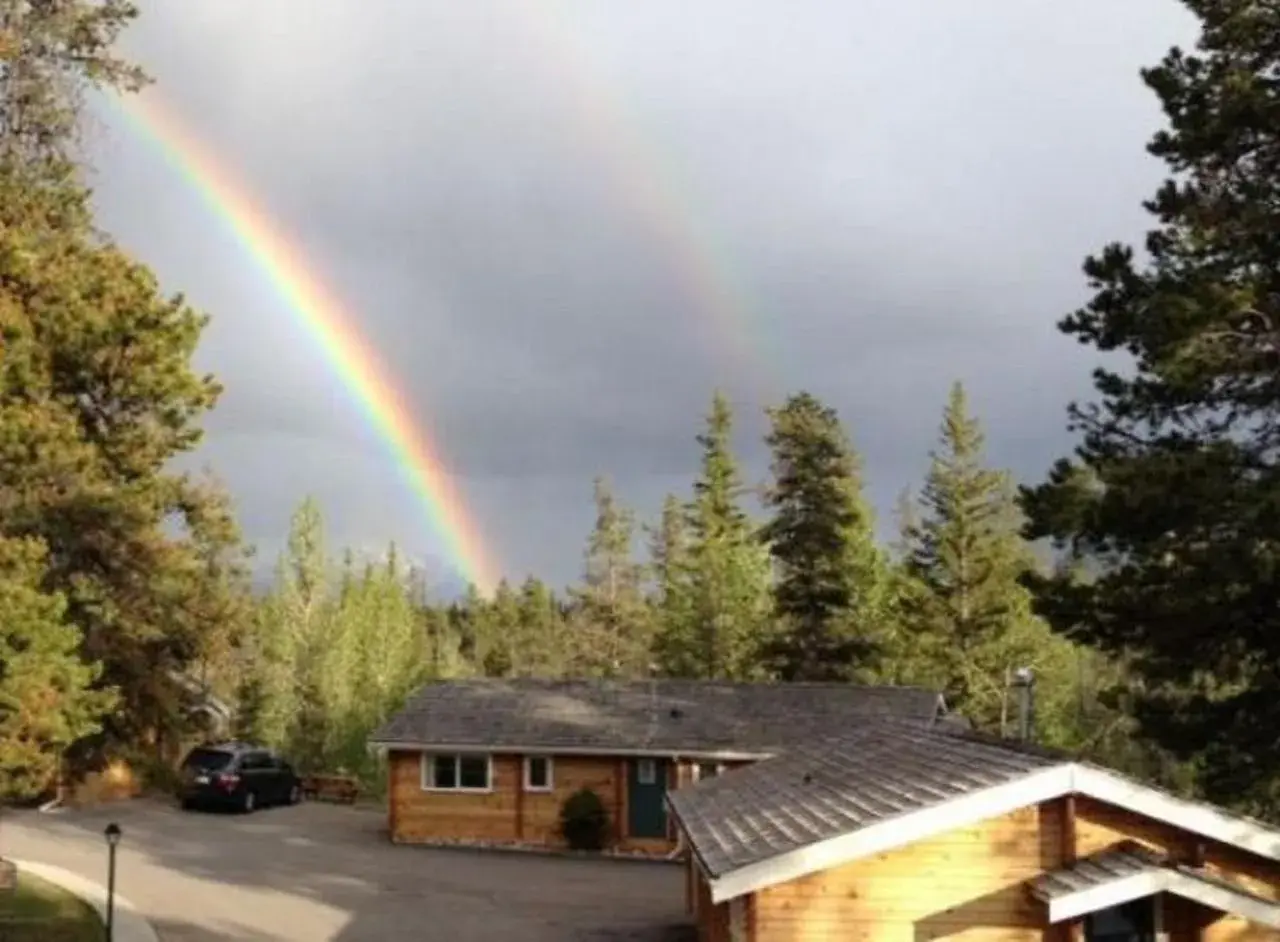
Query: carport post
{"points": [[112, 834]]}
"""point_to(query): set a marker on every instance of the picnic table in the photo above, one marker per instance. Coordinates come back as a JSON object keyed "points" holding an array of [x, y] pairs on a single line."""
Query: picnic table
{"points": [[331, 787]]}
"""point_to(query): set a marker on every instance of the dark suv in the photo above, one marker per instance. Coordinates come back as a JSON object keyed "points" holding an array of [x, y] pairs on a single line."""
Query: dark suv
{"points": [[237, 775]]}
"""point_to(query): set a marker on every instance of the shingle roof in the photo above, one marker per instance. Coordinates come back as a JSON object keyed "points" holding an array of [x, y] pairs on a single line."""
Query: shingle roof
{"points": [[1125, 860], [1130, 859], [841, 784], [675, 716]]}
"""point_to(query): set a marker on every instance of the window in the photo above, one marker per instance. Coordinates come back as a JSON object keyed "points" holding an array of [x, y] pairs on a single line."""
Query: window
{"points": [[646, 772], [706, 770], [456, 773], [207, 760], [537, 774]]}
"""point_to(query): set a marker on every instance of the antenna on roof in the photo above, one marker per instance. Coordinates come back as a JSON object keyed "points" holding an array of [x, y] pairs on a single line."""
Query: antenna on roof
{"points": [[1025, 680]]}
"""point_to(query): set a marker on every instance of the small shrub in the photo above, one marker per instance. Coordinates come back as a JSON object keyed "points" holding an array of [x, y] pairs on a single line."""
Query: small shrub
{"points": [[584, 821]]}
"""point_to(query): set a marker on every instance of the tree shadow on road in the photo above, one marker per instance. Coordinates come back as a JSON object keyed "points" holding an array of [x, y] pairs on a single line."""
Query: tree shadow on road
{"points": [[319, 873]]}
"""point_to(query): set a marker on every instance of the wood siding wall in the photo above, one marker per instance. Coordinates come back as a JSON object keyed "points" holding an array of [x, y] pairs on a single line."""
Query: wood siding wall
{"points": [[1099, 826], [966, 885], [509, 814], [969, 885]]}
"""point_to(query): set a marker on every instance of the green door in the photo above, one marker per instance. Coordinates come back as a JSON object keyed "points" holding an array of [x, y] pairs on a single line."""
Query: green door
{"points": [[646, 789]]}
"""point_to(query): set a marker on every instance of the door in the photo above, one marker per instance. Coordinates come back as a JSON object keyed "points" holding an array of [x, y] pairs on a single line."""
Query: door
{"points": [[1128, 922], [646, 794]]}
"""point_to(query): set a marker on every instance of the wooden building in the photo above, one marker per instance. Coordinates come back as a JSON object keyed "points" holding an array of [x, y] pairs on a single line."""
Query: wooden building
{"points": [[905, 834], [492, 761]]}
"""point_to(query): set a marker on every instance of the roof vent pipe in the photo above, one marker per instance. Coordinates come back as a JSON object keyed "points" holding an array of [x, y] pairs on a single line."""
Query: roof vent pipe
{"points": [[1025, 680]]}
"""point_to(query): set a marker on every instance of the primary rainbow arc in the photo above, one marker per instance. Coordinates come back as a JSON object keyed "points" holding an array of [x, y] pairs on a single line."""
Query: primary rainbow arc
{"points": [[319, 310]]}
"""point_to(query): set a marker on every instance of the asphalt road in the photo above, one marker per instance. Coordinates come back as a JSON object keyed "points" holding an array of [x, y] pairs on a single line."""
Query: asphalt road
{"points": [[324, 873]]}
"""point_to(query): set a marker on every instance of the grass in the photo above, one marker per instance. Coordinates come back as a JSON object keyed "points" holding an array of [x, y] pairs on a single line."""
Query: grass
{"points": [[38, 911]]}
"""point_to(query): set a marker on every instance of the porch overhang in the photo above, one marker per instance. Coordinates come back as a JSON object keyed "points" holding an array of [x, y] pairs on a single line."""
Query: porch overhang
{"points": [[1130, 872]]}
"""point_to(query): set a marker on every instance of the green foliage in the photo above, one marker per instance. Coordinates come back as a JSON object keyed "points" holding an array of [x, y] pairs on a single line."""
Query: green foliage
{"points": [[118, 575], [829, 593], [970, 618], [714, 602], [334, 653], [46, 696], [1173, 495], [97, 397], [584, 821], [52, 52], [610, 618]]}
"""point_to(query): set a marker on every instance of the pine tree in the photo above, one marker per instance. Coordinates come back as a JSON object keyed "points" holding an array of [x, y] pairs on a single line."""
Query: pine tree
{"points": [[829, 575], [97, 397], [46, 696], [718, 587], [1174, 490], [611, 622], [52, 53]]}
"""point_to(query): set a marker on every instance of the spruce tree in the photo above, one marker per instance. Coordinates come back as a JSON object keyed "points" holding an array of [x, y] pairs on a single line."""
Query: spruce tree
{"points": [[544, 649], [829, 575], [612, 624], [717, 575], [969, 615], [1174, 492]]}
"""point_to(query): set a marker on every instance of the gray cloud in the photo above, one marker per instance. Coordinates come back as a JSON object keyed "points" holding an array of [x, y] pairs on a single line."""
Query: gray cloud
{"points": [[525, 206]]}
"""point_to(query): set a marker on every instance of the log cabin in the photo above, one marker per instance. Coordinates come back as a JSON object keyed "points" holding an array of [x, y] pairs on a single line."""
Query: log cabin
{"points": [[492, 761], [902, 834]]}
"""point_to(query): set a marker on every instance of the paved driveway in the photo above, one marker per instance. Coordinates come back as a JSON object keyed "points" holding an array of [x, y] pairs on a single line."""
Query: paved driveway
{"points": [[320, 873]]}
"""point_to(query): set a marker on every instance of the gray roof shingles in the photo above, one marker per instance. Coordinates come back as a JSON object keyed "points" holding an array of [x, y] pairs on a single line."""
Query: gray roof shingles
{"points": [[674, 716], [1129, 859], [840, 784], [1116, 863]]}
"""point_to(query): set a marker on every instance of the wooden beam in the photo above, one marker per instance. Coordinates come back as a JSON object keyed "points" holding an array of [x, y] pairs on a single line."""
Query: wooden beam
{"points": [[1069, 846], [620, 801], [520, 760], [1074, 930], [393, 779], [688, 880]]}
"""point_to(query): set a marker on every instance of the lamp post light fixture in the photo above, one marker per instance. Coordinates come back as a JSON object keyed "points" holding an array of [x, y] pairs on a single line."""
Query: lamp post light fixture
{"points": [[112, 833]]}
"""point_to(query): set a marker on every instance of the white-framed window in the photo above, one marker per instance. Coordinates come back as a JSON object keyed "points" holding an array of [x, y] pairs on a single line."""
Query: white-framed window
{"points": [[468, 772], [703, 770], [646, 772], [538, 774]]}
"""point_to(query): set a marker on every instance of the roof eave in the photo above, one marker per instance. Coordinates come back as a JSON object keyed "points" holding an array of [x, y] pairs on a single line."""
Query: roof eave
{"points": [[1030, 789], [1164, 880], [717, 755], [891, 833]]}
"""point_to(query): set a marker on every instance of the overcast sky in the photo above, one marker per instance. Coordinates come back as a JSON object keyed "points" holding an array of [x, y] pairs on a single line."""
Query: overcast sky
{"points": [[563, 224]]}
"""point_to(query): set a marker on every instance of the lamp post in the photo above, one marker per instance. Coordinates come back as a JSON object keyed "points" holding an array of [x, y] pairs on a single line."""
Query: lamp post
{"points": [[112, 834]]}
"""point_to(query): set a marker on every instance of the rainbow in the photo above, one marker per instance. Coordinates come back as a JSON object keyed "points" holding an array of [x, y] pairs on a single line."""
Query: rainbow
{"points": [[320, 311], [648, 187]]}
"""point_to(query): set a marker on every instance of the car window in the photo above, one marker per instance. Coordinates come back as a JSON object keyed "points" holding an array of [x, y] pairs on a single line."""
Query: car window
{"points": [[256, 760], [207, 760]]}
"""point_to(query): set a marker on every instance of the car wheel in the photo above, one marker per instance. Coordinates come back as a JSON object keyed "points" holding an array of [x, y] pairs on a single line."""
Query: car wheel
{"points": [[248, 802], [295, 794], [187, 804]]}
